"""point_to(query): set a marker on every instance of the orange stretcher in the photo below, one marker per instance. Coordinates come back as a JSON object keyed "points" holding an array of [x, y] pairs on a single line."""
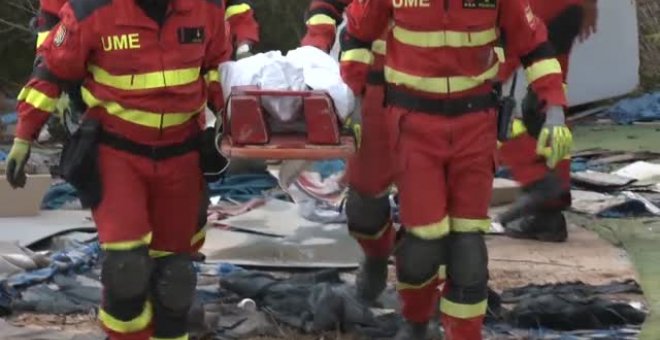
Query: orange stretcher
{"points": [[247, 134]]}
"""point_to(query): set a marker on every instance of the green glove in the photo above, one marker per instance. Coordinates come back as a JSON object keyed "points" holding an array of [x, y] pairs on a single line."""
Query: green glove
{"points": [[354, 122], [18, 156], [555, 140]]}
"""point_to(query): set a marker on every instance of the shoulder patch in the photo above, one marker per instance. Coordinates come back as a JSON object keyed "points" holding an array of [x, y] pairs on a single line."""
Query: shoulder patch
{"points": [[60, 36], [480, 4], [84, 8]]}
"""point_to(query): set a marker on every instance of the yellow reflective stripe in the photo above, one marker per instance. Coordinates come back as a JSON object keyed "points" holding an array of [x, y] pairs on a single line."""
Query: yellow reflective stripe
{"points": [[212, 75], [38, 99], [541, 69], [517, 128], [438, 84], [159, 253], [468, 225], [403, 285], [145, 81], [499, 52], [372, 237], [360, 55], [444, 38], [200, 235], [141, 322], [41, 37], [431, 231], [127, 245], [183, 337], [379, 46], [463, 311], [144, 118], [442, 272], [321, 19], [236, 9], [565, 89]]}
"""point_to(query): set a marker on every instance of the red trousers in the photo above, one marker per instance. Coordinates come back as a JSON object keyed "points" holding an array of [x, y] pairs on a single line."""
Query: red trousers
{"points": [[146, 202], [370, 171], [444, 174]]}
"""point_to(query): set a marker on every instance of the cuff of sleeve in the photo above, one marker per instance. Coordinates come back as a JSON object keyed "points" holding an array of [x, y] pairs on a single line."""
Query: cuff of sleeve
{"points": [[28, 130]]}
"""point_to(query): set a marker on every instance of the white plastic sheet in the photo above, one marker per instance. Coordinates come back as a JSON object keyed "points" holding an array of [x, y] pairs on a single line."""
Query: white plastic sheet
{"points": [[302, 68]]}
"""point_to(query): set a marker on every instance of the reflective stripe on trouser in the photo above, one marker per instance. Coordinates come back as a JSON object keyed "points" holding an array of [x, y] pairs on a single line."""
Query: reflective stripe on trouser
{"points": [[164, 203]]}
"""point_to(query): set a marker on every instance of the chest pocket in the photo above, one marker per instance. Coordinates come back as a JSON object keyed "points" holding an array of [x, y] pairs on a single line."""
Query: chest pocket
{"points": [[192, 42]]}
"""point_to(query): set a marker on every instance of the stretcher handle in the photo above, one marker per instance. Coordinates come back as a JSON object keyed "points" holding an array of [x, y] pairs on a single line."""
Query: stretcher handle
{"points": [[278, 93]]}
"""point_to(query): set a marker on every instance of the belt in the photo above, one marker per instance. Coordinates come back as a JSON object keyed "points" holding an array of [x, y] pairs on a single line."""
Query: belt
{"points": [[153, 152], [445, 107], [376, 77]]}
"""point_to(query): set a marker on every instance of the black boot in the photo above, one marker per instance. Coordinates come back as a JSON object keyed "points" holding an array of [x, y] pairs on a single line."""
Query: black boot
{"points": [[545, 226], [371, 279], [533, 198], [412, 331]]}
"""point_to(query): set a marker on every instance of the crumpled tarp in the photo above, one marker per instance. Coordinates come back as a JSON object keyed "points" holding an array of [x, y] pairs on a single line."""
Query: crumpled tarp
{"points": [[243, 187], [571, 306], [313, 302], [59, 196], [641, 109], [73, 261]]}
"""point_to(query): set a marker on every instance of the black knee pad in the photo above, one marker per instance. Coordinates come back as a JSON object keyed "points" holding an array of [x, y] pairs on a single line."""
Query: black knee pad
{"points": [[367, 215], [468, 268], [174, 283], [125, 274], [418, 260], [565, 27]]}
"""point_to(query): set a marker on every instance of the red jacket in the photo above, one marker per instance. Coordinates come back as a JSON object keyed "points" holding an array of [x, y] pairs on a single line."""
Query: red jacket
{"points": [[47, 17], [143, 82], [244, 27], [322, 20], [445, 48]]}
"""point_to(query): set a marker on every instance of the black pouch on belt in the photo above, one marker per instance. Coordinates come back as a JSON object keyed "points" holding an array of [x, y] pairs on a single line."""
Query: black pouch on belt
{"points": [[79, 163], [505, 115], [212, 162]]}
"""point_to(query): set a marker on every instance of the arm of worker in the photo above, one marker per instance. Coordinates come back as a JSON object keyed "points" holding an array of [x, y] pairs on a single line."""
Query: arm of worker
{"points": [[244, 26], [218, 51], [63, 56], [366, 22], [47, 18], [322, 20], [527, 38]]}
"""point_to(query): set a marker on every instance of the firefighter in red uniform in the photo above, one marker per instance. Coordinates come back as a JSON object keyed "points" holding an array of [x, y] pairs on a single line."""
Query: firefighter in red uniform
{"points": [[439, 67], [565, 21], [244, 27], [148, 68], [370, 171]]}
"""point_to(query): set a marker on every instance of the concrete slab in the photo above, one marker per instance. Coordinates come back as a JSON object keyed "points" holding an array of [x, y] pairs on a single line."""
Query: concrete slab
{"points": [[29, 230]]}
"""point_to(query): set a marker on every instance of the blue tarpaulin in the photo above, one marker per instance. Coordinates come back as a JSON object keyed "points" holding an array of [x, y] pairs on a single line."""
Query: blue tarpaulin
{"points": [[243, 188], [641, 109]]}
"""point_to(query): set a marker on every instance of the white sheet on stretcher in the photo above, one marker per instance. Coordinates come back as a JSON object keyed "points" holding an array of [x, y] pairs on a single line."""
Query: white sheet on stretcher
{"points": [[302, 68]]}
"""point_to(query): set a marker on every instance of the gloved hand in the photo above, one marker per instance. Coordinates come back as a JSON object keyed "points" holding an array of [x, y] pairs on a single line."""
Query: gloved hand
{"points": [[18, 156], [555, 140], [243, 50]]}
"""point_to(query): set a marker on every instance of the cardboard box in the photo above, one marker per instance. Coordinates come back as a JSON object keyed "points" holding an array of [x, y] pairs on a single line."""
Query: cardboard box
{"points": [[25, 201]]}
